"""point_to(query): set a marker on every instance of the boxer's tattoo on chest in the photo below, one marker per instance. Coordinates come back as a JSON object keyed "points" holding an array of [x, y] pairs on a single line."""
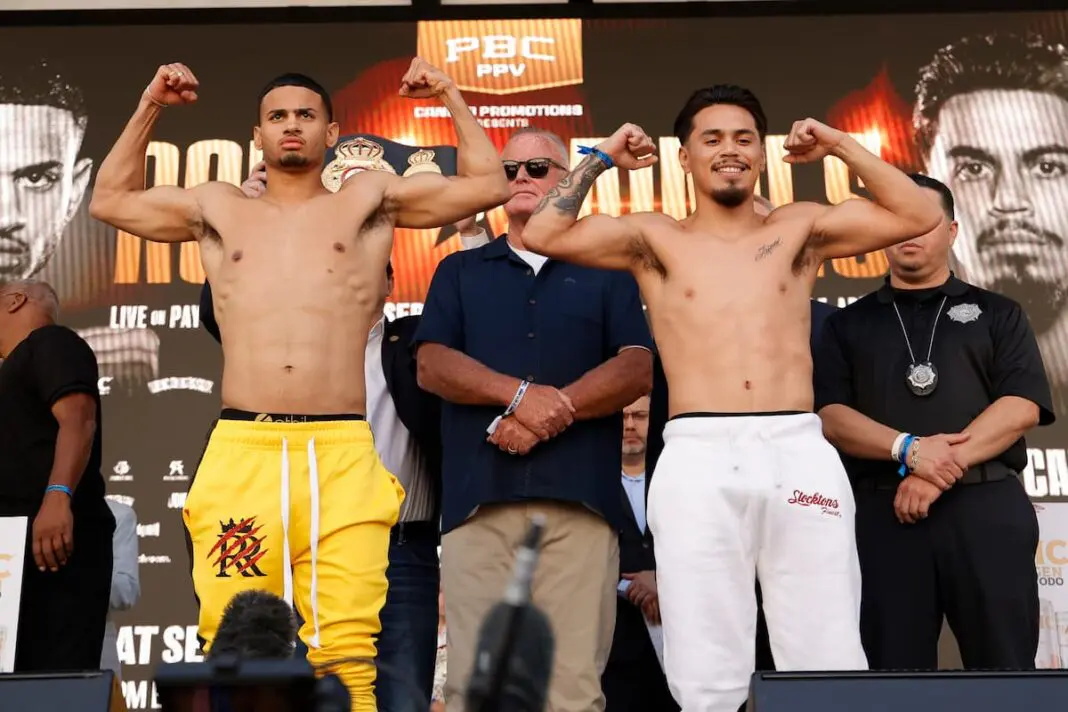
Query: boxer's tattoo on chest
{"points": [[767, 249]]}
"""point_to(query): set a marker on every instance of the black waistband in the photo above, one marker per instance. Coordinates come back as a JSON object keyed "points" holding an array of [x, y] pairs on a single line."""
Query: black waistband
{"points": [[987, 472], [763, 413], [235, 414], [403, 531]]}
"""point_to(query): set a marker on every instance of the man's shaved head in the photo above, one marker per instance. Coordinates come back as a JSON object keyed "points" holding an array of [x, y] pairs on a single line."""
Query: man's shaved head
{"points": [[36, 291]]}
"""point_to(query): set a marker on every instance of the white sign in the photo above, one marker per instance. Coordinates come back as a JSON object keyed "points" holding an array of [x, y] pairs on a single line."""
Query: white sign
{"points": [[1051, 567], [12, 553]]}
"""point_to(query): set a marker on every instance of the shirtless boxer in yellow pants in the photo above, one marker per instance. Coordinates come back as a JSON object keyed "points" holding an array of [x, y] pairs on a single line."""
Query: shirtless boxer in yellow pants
{"points": [[290, 495]]}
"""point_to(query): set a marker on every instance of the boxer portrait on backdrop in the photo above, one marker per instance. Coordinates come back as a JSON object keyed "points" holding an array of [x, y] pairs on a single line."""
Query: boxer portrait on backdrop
{"points": [[44, 177]]}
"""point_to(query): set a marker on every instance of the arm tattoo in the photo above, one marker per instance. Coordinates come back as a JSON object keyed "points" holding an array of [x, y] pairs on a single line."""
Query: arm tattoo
{"points": [[569, 193], [767, 249]]}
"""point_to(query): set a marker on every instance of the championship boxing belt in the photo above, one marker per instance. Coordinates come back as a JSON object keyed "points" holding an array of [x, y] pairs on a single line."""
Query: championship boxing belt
{"points": [[366, 152]]}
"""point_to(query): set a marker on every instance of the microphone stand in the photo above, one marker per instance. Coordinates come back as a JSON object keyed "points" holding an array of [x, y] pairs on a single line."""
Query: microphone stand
{"points": [[517, 598]]}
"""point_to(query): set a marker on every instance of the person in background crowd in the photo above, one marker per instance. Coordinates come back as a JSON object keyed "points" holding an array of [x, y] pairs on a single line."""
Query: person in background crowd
{"points": [[125, 579], [634, 677], [535, 360], [928, 385], [991, 118], [50, 473]]}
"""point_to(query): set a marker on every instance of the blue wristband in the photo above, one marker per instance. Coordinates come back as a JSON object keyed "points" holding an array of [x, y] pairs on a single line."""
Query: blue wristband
{"points": [[589, 150], [909, 439], [60, 488]]}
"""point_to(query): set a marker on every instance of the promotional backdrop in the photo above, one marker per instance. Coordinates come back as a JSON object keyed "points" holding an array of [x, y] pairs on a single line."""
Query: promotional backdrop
{"points": [[136, 303]]}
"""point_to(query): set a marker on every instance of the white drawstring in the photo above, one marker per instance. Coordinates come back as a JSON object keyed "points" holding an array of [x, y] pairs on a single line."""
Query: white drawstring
{"points": [[313, 490], [287, 566]]}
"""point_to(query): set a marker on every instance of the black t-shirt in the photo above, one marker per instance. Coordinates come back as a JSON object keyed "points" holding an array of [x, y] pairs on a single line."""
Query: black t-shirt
{"points": [[49, 364]]}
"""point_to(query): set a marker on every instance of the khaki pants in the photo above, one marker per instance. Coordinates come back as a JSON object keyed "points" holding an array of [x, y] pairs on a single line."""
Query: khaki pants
{"points": [[574, 585]]}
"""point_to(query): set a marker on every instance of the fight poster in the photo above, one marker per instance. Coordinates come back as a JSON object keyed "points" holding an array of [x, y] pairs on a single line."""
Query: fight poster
{"points": [[1051, 567], [12, 555], [66, 92]]}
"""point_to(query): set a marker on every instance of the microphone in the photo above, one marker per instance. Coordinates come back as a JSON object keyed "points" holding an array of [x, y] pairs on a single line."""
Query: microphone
{"points": [[255, 625], [513, 662]]}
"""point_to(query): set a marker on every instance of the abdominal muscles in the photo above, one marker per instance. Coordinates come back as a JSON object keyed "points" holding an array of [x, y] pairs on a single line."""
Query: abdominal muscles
{"points": [[296, 346], [740, 353]]}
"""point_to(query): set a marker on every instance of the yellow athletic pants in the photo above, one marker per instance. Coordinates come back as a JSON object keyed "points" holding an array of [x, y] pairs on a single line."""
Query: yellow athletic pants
{"points": [[303, 510]]}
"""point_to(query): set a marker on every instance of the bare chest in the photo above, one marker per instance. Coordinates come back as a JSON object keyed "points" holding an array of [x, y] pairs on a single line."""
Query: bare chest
{"points": [[757, 274], [302, 254]]}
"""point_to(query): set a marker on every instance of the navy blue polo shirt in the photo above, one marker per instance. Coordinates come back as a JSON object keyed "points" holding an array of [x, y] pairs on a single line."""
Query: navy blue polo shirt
{"points": [[549, 328]]}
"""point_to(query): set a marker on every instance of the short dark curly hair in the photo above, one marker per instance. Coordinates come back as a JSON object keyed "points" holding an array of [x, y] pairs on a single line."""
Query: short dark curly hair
{"points": [[42, 82], [981, 62], [719, 94]]}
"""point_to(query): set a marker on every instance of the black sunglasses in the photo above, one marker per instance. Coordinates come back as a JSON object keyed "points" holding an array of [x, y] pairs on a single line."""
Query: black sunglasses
{"points": [[536, 167]]}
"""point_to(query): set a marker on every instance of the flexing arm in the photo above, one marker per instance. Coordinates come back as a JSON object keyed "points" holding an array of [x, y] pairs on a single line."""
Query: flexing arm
{"points": [[428, 200], [900, 210], [162, 213], [598, 241]]}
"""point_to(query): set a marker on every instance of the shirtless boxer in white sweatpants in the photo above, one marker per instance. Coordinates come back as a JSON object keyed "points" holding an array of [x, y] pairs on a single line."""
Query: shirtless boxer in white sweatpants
{"points": [[746, 484]]}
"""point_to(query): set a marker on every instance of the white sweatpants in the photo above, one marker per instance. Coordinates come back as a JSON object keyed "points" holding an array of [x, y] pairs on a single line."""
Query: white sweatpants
{"points": [[734, 498]]}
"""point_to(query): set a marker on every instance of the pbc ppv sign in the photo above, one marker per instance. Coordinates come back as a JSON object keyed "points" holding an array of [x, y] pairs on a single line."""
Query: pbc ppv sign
{"points": [[505, 56]]}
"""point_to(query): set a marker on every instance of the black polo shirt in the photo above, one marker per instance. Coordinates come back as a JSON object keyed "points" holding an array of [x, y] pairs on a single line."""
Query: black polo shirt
{"points": [[984, 349], [549, 328]]}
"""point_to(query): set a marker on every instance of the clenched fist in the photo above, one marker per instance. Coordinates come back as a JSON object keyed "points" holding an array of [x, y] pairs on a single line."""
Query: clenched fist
{"points": [[513, 438], [810, 141], [914, 499], [630, 147], [545, 411], [173, 84], [423, 80]]}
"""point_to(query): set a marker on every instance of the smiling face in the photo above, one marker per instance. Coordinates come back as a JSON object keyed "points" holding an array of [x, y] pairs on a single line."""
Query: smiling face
{"points": [[528, 191], [294, 130], [724, 154]]}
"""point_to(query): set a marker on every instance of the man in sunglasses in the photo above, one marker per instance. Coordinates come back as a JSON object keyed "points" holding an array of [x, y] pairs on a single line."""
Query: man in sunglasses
{"points": [[535, 361], [747, 486]]}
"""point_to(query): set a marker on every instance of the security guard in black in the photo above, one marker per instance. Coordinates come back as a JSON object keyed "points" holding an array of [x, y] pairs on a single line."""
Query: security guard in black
{"points": [[927, 386]]}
